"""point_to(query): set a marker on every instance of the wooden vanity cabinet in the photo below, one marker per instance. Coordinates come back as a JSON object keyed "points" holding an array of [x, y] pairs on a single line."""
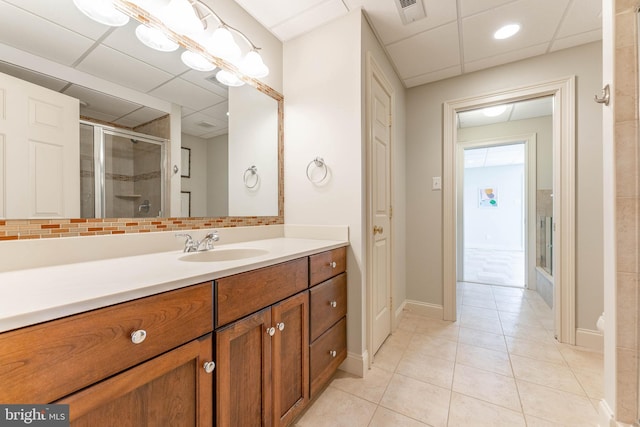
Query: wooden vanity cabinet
{"points": [[110, 376], [262, 374], [328, 325]]}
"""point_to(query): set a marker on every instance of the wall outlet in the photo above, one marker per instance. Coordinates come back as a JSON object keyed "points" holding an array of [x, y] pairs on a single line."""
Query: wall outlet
{"points": [[436, 183]]}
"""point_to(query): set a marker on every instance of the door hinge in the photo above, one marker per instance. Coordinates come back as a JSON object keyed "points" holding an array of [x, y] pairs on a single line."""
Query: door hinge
{"points": [[390, 212]]}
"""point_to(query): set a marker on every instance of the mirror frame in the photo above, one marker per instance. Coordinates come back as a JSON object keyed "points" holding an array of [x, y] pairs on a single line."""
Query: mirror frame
{"points": [[36, 228]]}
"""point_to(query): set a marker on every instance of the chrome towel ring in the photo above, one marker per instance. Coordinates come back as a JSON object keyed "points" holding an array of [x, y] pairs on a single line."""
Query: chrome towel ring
{"points": [[319, 163], [251, 172]]}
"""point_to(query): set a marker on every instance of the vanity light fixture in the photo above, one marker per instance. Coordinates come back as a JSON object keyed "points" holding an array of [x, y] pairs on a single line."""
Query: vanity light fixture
{"points": [[102, 11], [252, 65], [181, 17], [196, 61], [222, 45], [494, 111], [506, 31], [155, 39], [227, 78]]}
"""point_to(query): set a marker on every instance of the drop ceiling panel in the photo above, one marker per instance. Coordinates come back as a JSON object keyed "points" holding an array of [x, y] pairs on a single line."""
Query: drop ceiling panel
{"points": [[426, 52], [63, 13], [112, 65], [191, 126], [124, 40], [33, 77], [97, 115], [582, 16], [141, 116], [505, 58], [471, 7], [539, 21], [577, 40], [274, 12], [319, 14], [187, 94], [434, 76], [215, 133], [98, 101], [218, 112], [199, 78], [386, 19], [38, 36]]}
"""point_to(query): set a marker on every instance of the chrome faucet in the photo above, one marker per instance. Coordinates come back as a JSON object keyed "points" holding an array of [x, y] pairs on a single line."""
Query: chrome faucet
{"points": [[191, 245]]}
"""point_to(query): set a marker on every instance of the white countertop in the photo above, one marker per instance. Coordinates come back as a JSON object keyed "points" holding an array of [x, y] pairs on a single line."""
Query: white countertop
{"points": [[36, 295]]}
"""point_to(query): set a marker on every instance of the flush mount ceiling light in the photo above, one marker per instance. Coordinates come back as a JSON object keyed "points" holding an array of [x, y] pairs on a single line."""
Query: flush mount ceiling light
{"points": [[155, 39], [494, 111], [229, 79], [506, 31], [102, 11], [169, 24], [196, 61]]}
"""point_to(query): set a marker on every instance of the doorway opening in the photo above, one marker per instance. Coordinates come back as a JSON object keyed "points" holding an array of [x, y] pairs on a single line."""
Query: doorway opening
{"points": [[494, 215]]}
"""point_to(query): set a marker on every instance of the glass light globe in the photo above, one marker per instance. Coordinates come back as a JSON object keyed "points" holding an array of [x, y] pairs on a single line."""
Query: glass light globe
{"points": [[196, 61], [102, 11], [222, 45], [229, 79], [181, 18], [253, 66], [155, 39]]}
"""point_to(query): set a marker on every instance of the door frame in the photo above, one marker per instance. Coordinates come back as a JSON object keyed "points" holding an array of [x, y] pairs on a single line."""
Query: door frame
{"points": [[530, 149], [563, 92], [373, 71]]}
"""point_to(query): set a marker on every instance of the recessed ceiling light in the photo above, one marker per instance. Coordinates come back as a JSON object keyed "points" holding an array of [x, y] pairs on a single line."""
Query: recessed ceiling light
{"points": [[494, 111], [506, 31]]}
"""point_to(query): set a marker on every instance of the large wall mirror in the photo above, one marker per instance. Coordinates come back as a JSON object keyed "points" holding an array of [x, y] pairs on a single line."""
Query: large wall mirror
{"points": [[129, 97]]}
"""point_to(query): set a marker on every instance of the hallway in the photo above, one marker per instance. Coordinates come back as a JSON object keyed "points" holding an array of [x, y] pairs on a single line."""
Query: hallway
{"points": [[499, 365]]}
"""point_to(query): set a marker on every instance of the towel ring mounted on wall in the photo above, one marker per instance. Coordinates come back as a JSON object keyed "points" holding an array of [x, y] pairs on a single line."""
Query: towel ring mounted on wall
{"points": [[251, 172], [319, 163]]}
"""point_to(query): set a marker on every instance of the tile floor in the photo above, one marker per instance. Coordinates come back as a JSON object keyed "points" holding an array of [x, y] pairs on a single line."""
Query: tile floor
{"points": [[495, 267], [499, 365]]}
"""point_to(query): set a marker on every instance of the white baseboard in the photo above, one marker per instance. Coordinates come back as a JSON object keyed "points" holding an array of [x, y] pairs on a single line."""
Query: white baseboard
{"points": [[356, 364], [605, 415], [434, 311], [591, 339], [398, 314]]}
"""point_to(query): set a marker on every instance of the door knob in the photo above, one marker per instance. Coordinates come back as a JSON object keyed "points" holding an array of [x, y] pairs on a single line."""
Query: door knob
{"points": [[377, 229], [271, 331], [280, 326], [209, 367]]}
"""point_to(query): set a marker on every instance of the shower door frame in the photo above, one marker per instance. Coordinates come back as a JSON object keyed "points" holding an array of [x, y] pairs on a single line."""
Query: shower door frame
{"points": [[99, 132]]}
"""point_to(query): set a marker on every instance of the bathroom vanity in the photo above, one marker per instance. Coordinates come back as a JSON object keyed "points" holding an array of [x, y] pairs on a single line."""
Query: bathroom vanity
{"points": [[246, 342]]}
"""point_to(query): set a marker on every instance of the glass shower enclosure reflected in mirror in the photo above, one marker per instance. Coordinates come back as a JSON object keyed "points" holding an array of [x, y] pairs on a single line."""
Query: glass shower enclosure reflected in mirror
{"points": [[122, 173]]}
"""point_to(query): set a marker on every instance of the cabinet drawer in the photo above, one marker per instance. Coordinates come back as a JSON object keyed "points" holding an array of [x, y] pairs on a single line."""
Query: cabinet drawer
{"points": [[245, 293], [41, 363], [322, 265], [328, 304], [323, 363]]}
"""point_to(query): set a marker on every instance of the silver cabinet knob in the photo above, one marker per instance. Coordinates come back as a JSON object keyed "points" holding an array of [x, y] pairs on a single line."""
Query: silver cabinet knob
{"points": [[138, 336], [332, 264], [333, 304], [280, 326], [333, 353], [209, 366], [271, 331]]}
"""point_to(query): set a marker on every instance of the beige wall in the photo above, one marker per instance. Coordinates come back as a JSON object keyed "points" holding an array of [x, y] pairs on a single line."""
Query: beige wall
{"points": [[424, 160], [324, 116]]}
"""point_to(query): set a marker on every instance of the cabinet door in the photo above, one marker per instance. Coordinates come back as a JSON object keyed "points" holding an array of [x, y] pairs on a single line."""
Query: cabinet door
{"points": [[290, 358], [172, 389], [243, 372]]}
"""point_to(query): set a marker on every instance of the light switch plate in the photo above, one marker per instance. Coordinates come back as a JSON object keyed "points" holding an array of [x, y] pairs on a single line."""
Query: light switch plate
{"points": [[436, 183]]}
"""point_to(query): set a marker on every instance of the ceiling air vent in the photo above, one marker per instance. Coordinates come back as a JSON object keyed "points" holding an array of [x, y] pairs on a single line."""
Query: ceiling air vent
{"points": [[410, 10], [205, 125]]}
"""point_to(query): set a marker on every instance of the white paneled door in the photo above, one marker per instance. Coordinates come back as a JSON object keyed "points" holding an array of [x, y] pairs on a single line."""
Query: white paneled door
{"points": [[40, 159], [380, 196]]}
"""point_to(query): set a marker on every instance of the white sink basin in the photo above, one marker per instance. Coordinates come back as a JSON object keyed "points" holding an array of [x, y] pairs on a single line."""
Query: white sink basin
{"points": [[223, 255]]}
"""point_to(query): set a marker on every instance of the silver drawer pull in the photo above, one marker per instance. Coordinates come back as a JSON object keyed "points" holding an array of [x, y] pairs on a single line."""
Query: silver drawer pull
{"points": [[271, 331], [209, 366], [332, 264], [280, 326], [138, 336], [333, 304], [333, 353]]}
